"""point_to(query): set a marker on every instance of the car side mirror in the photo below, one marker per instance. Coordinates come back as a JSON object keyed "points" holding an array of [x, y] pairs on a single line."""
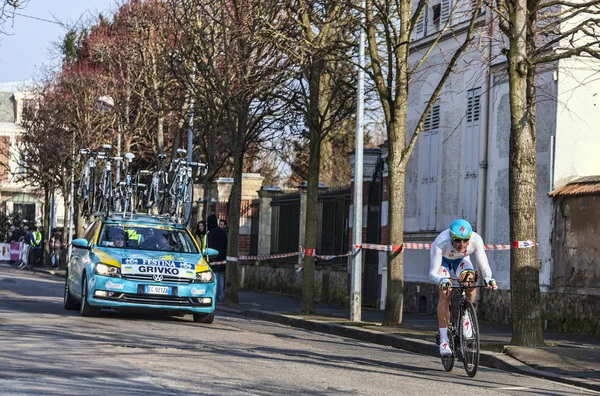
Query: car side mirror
{"points": [[81, 243], [210, 252]]}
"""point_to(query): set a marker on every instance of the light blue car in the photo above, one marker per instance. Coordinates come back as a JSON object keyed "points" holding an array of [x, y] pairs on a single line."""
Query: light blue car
{"points": [[139, 262]]}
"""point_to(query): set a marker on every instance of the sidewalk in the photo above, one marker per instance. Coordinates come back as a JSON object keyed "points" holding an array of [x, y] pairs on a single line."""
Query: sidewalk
{"points": [[569, 358]]}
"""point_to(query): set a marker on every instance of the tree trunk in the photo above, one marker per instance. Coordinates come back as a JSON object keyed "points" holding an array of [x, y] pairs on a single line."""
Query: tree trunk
{"points": [[394, 299], [310, 233], [46, 227], [65, 234], [235, 203], [160, 135], [526, 308]]}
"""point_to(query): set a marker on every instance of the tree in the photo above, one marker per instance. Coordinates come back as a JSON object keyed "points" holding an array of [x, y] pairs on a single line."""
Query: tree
{"points": [[243, 74], [325, 96], [8, 9], [537, 32], [390, 26]]}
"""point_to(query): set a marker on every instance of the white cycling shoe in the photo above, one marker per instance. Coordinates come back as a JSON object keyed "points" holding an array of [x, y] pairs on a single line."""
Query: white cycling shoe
{"points": [[467, 327], [445, 348]]}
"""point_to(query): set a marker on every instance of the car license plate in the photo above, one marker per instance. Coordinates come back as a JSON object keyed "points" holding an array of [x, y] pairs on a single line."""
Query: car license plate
{"points": [[150, 289]]}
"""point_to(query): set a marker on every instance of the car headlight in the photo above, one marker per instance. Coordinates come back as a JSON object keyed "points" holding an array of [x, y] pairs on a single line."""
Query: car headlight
{"points": [[204, 277], [107, 270]]}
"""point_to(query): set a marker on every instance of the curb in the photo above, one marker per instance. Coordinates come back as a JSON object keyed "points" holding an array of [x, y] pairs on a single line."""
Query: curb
{"points": [[497, 361]]}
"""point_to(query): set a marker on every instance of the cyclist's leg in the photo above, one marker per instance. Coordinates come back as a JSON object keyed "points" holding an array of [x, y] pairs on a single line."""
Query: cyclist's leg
{"points": [[466, 272], [443, 308]]}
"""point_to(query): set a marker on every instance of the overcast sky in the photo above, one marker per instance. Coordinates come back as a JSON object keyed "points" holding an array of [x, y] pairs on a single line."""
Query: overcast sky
{"points": [[29, 47]]}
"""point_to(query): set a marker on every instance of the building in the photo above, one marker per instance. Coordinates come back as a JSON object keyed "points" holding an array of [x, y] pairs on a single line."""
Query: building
{"points": [[16, 196], [460, 167]]}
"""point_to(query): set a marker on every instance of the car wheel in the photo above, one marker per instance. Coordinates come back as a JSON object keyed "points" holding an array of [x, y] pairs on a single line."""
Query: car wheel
{"points": [[69, 302], [204, 317], [85, 308]]}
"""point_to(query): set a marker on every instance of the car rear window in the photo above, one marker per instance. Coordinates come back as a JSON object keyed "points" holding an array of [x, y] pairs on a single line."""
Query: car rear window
{"points": [[146, 237]]}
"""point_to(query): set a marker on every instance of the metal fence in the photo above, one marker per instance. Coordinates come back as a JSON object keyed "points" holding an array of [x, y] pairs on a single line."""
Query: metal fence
{"points": [[332, 226], [254, 226], [285, 223]]}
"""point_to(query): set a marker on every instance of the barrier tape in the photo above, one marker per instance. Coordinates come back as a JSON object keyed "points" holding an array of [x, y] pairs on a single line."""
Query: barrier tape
{"points": [[427, 246], [369, 246], [252, 258]]}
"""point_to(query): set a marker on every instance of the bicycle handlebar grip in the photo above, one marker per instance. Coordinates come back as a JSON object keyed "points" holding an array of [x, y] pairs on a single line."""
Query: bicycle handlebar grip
{"points": [[145, 172]]}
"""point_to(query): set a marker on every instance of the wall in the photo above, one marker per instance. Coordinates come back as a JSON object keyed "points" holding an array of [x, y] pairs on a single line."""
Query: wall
{"points": [[331, 281], [578, 116], [574, 297]]}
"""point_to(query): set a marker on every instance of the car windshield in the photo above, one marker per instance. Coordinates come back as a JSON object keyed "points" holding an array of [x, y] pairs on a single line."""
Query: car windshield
{"points": [[146, 237]]}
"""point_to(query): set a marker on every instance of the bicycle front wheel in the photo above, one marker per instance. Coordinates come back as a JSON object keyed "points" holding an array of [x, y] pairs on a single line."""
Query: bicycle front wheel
{"points": [[469, 337]]}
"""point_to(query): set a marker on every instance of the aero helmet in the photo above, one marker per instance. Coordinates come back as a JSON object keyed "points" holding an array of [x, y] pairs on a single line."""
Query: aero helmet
{"points": [[460, 229]]}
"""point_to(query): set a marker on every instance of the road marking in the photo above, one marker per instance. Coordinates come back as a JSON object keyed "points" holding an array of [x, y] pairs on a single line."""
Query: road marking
{"points": [[514, 388]]}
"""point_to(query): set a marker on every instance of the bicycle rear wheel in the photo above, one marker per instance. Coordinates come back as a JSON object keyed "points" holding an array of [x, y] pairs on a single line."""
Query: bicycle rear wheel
{"points": [[469, 346]]}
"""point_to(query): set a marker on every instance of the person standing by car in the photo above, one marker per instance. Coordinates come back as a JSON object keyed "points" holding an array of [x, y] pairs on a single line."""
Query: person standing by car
{"points": [[216, 238], [200, 234], [223, 225]]}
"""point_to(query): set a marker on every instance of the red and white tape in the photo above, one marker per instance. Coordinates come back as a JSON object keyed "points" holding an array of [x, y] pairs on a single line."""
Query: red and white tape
{"points": [[253, 258], [427, 246]]}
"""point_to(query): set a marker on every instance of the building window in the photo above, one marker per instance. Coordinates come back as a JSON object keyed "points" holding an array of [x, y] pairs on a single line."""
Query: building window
{"points": [[428, 169], [437, 13]]}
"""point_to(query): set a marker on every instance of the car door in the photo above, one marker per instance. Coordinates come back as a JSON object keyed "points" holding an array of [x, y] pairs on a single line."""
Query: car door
{"points": [[79, 257]]}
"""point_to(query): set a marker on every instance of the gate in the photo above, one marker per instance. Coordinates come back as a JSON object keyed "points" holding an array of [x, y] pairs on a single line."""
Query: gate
{"points": [[254, 226], [371, 275], [332, 231], [285, 223]]}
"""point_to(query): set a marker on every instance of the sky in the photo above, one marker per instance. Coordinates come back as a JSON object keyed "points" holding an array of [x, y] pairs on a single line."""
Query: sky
{"points": [[30, 45]]}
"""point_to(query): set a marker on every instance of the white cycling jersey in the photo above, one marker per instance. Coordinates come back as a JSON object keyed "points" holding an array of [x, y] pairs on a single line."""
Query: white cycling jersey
{"points": [[444, 256]]}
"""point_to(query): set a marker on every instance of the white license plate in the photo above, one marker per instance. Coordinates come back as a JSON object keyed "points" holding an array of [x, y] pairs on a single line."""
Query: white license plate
{"points": [[158, 289]]}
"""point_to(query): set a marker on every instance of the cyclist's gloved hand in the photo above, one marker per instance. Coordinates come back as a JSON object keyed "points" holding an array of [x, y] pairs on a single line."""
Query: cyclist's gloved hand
{"points": [[445, 284], [491, 283]]}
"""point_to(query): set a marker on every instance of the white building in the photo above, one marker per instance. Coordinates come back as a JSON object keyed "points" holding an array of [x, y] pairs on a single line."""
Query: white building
{"points": [[16, 196], [460, 167]]}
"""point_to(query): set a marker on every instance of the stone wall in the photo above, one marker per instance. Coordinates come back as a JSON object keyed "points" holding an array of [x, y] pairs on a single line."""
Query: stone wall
{"points": [[573, 299], [331, 281]]}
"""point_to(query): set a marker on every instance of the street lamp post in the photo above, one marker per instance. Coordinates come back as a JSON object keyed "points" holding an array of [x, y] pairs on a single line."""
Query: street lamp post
{"points": [[356, 275]]}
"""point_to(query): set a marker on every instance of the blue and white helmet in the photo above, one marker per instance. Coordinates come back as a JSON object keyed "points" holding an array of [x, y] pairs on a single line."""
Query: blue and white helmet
{"points": [[460, 229]]}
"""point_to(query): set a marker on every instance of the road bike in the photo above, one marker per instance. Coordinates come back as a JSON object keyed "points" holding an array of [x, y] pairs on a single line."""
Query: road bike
{"points": [[180, 192], [156, 193], [458, 340], [105, 194], [86, 191], [127, 193]]}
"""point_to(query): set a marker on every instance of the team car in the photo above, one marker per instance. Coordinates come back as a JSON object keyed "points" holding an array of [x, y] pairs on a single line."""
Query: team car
{"points": [[139, 262]]}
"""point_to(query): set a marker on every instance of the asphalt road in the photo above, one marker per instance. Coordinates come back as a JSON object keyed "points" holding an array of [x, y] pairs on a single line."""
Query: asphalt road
{"points": [[47, 350]]}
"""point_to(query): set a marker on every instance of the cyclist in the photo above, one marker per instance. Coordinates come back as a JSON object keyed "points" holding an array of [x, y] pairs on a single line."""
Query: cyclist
{"points": [[450, 252]]}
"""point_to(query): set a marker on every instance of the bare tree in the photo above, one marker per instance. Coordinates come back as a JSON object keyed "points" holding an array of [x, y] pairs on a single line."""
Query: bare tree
{"points": [[8, 8], [537, 32], [324, 95], [390, 25], [224, 41]]}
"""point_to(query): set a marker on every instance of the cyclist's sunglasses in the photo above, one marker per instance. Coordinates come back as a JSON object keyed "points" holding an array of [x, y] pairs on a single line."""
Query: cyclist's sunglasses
{"points": [[461, 240]]}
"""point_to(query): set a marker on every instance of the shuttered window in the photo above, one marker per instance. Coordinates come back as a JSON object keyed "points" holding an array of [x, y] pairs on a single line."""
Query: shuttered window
{"points": [[428, 169], [470, 157]]}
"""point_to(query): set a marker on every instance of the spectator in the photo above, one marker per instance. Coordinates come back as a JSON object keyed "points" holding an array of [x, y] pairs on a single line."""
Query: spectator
{"points": [[200, 234], [217, 239], [223, 225], [36, 241], [56, 247]]}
